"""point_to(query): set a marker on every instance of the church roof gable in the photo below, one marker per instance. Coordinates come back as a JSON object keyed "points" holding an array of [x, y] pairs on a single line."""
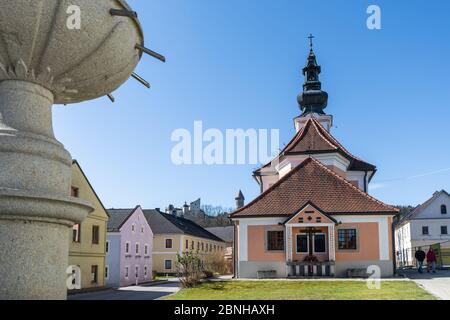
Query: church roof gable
{"points": [[311, 181], [310, 210], [314, 138]]}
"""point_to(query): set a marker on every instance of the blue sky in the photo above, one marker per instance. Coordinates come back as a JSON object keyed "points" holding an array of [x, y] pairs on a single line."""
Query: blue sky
{"points": [[236, 64]]}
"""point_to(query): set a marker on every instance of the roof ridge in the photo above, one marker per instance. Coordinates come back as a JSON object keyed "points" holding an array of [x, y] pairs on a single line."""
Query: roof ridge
{"points": [[315, 123], [298, 137], [184, 220], [423, 205], [372, 205], [165, 217], [326, 136], [268, 190], [75, 162], [283, 151], [353, 186], [339, 145]]}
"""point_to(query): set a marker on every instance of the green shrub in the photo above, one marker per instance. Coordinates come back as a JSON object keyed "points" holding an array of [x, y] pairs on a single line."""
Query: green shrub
{"points": [[216, 264], [189, 267]]}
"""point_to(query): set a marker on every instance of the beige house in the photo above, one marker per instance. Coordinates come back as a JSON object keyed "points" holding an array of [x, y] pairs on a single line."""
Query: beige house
{"points": [[87, 248], [227, 234], [174, 235]]}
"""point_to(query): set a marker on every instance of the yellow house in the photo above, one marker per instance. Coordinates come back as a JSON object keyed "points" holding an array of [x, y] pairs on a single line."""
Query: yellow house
{"points": [[174, 235], [87, 248]]}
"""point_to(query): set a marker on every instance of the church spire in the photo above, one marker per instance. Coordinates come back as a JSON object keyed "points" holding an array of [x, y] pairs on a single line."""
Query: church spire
{"points": [[312, 99]]}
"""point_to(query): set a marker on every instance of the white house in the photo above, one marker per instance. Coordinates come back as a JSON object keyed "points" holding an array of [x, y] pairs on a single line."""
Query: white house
{"points": [[427, 224]]}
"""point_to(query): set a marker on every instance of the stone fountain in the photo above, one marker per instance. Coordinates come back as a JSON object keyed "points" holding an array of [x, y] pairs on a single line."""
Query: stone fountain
{"points": [[44, 62]]}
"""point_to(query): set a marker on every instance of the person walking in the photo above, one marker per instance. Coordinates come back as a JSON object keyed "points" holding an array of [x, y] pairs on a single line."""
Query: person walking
{"points": [[420, 257], [431, 260]]}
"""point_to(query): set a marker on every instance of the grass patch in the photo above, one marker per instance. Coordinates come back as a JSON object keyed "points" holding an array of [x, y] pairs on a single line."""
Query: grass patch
{"points": [[303, 290], [162, 277]]}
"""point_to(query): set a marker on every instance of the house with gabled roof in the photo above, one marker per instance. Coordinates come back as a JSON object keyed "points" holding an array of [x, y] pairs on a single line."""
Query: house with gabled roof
{"points": [[129, 248], [87, 248], [314, 216], [227, 235], [174, 235], [427, 224]]}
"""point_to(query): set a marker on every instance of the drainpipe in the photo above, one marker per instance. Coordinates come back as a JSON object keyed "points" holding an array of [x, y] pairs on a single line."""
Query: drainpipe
{"points": [[235, 271], [365, 182], [394, 255]]}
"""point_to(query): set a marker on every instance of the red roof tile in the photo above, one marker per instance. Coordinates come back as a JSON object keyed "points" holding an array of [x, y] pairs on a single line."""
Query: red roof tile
{"points": [[311, 181], [313, 138]]}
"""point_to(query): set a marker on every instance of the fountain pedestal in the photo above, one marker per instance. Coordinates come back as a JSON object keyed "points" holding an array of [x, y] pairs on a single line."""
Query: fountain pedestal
{"points": [[36, 211], [45, 62]]}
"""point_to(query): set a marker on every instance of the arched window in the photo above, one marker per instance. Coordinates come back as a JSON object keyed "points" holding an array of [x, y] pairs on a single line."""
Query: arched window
{"points": [[444, 209]]}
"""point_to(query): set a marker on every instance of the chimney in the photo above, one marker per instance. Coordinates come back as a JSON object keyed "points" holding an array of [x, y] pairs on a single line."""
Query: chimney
{"points": [[240, 200]]}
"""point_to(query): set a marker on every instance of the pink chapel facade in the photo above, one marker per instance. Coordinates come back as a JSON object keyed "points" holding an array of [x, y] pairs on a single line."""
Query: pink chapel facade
{"points": [[314, 216]]}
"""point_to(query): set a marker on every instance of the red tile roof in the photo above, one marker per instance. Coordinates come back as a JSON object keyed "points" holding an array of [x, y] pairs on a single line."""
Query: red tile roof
{"points": [[314, 138], [311, 181]]}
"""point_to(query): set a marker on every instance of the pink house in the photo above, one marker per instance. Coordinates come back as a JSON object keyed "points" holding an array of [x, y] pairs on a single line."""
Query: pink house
{"points": [[129, 248]]}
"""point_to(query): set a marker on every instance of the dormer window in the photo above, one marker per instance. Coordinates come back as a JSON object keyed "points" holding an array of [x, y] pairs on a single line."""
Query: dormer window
{"points": [[443, 209]]}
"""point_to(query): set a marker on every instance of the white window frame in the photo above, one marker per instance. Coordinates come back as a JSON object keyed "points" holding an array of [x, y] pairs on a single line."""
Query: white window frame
{"points": [[127, 247], [314, 243], [78, 232], [136, 271], [145, 271], [137, 248], [133, 227], [356, 228], [165, 243], [296, 243], [266, 240], [146, 249], [127, 272], [171, 264]]}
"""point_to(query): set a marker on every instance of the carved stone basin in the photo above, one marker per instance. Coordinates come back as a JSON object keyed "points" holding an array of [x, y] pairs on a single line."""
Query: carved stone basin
{"points": [[45, 58], [37, 45]]}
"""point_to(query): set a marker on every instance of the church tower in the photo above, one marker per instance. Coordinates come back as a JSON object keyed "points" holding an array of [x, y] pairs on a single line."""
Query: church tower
{"points": [[240, 200], [313, 100], [313, 138], [314, 204]]}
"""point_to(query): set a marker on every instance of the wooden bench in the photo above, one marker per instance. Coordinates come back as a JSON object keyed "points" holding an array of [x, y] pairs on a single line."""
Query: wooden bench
{"points": [[268, 274], [357, 273]]}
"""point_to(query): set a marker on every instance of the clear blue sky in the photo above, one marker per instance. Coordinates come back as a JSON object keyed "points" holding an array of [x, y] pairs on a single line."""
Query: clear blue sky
{"points": [[236, 64]]}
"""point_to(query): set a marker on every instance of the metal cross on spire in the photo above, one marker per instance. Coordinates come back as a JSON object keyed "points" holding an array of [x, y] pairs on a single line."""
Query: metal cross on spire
{"points": [[311, 37]]}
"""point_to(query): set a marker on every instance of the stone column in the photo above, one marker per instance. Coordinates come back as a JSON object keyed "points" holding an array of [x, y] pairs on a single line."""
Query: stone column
{"points": [[288, 251], [36, 210], [331, 242]]}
